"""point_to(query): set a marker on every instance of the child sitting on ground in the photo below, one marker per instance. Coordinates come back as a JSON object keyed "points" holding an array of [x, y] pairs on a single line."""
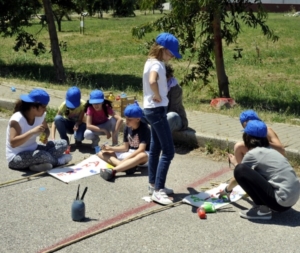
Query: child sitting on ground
{"points": [[25, 125], [176, 114], [98, 121], [240, 149], [136, 145]]}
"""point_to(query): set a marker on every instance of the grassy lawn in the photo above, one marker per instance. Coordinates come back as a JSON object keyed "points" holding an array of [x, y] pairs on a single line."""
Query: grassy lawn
{"points": [[109, 58]]}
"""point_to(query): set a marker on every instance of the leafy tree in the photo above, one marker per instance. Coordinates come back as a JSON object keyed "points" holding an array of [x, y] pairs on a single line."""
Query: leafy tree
{"points": [[61, 8], [124, 8], [99, 6], [14, 16], [149, 5], [201, 25]]}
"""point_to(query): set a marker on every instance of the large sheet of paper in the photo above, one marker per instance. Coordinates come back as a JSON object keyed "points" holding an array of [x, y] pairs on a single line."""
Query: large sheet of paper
{"points": [[211, 196], [88, 167]]}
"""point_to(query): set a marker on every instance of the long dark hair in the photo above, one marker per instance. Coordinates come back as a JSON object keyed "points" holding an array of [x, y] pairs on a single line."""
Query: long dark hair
{"points": [[22, 107], [169, 70], [106, 103], [253, 142]]}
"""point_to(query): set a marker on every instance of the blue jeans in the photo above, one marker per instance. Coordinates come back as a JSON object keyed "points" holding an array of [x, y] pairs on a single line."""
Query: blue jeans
{"points": [[175, 121], [65, 126], [161, 140]]}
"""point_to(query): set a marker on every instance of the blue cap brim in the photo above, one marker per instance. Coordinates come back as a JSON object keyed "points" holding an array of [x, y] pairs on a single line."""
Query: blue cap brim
{"points": [[26, 98], [176, 54], [69, 104], [96, 101]]}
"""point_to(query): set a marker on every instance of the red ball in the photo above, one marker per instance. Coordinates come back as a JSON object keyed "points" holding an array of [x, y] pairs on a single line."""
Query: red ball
{"points": [[201, 213]]}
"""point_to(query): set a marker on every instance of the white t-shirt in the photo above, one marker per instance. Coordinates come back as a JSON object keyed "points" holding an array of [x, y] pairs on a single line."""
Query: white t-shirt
{"points": [[30, 144], [159, 67]]}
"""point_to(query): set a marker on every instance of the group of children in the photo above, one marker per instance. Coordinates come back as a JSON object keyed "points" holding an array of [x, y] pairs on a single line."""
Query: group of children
{"points": [[100, 118], [262, 170], [261, 167]]}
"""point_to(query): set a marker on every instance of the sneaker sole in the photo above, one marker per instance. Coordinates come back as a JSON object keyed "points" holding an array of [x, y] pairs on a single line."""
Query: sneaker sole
{"points": [[265, 217], [161, 202]]}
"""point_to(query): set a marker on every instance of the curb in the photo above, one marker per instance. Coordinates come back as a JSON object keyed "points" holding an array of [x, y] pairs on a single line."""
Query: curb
{"points": [[7, 104], [194, 140]]}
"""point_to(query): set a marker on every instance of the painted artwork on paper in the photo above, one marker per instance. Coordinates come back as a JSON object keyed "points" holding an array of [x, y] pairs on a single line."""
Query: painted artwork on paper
{"points": [[88, 167], [211, 196]]}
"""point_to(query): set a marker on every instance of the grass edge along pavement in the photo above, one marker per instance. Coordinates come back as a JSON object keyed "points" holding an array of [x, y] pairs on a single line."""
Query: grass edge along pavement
{"points": [[108, 57]]}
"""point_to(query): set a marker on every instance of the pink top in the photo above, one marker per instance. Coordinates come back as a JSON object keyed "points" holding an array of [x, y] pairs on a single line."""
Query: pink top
{"points": [[98, 117]]}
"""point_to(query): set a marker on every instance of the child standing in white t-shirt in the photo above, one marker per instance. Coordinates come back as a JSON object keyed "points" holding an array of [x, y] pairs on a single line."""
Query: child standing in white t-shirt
{"points": [[155, 91]]}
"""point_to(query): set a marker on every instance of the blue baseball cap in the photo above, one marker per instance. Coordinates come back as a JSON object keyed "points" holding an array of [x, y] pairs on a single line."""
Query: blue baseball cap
{"points": [[170, 42], [96, 97], [133, 111], [36, 96], [73, 97], [256, 128], [248, 115]]}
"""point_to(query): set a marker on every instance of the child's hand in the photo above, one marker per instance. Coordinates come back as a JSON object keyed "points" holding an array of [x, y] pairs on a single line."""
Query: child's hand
{"points": [[38, 129], [156, 98], [108, 135], [232, 159], [105, 147], [75, 128]]}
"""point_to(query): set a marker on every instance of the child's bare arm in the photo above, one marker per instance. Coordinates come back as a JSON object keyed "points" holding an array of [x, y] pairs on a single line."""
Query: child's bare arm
{"points": [[275, 142]]}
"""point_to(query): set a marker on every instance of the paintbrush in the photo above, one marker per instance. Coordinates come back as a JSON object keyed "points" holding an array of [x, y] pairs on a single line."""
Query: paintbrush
{"points": [[77, 195], [228, 153], [84, 192]]}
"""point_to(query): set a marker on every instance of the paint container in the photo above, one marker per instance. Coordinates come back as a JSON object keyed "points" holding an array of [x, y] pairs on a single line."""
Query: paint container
{"points": [[78, 210], [201, 213], [97, 149], [43, 137], [13, 89], [208, 207], [68, 150]]}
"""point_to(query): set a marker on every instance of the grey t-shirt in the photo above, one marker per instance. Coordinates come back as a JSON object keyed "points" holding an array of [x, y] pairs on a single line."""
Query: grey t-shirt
{"points": [[279, 173]]}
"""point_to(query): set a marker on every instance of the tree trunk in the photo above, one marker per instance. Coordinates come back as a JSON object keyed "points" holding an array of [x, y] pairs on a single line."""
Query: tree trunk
{"points": [[223, 82], [56, 55], [59, 24], [58, 18]]}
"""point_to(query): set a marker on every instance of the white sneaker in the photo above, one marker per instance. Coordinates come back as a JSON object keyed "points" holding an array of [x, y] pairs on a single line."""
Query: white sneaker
{"points": [[95, 142], [41, 167], [64, 159], [168, 191], [161, 197]]}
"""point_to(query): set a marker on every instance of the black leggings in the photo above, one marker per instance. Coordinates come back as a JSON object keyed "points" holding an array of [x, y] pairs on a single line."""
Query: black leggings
{"points": [[257, 187]]}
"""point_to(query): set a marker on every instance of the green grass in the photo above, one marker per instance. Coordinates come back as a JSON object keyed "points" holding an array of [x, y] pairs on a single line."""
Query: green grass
{"points": [[109, 58]]}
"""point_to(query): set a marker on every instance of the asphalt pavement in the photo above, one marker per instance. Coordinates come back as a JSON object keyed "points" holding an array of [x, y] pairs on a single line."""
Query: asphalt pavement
{"points": [[36, 213]]}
